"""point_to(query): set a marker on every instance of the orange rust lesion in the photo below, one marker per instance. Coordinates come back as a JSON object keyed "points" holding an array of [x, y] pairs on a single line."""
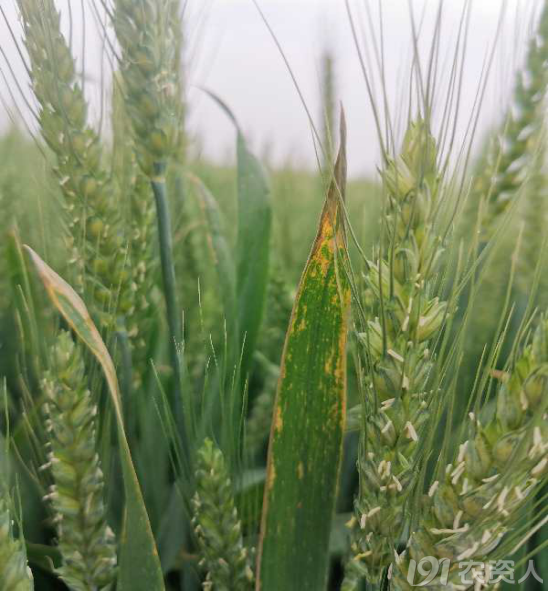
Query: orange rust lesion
{"points": [[271, 476], [324, 238], [336, 299], [278, 420], [296, 315], [328, 365], [339, 367], [300, 471], [325, 255], [300, 322]]}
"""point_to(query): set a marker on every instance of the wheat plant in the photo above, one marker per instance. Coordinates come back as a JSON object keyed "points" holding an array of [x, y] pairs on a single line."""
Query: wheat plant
{"points": [[183, 412]]}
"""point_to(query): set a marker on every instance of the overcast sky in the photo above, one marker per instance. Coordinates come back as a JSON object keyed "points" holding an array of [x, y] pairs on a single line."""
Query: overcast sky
{"points": [[232, 53]]}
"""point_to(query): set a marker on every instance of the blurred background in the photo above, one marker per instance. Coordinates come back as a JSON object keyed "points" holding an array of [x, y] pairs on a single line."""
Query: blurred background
{"points": [[230, 51]]}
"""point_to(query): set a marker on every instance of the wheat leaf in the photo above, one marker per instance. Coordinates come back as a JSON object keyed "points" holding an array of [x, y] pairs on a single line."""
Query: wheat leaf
{"points": [[140, 568], [306, 439], [253, 241]]}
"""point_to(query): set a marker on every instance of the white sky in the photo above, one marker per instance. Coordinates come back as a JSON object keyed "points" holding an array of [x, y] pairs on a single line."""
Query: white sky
{"points": [[233, 55]]}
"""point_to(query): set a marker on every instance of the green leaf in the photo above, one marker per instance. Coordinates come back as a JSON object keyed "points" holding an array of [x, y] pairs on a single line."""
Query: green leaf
{"points": [[140, 568], [252, 248], [253, 242], [48, 558], [305, 448], [222, 256], [248, 497], [338, 543]]}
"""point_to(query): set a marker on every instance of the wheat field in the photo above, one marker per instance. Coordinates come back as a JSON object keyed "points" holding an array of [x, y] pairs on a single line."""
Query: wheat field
{"points": [[256, 375]]}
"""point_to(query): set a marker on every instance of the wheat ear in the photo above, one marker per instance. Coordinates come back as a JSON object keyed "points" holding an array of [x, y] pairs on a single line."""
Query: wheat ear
{"points": [[86, 542], [397, 345], [98, 249], [513, 152], [218, 528], [476, 499], [149, 63], [141, 219], [15, 575]]}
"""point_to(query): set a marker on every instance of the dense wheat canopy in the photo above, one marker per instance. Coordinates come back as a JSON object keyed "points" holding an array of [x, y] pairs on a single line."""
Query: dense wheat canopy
{"points": [[268, 367]]}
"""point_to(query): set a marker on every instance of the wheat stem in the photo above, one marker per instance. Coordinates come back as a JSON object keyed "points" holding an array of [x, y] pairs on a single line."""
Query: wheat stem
{"points": [[170, 285]]}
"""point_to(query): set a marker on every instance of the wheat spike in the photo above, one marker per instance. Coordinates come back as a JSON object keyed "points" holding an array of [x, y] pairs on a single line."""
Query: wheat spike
{"points": [[534, 210], [141, 220], [328, 91], [150, 58], [15, 575], [397, 345], [512, 153], [97, 247], [149, 67], [218, 528], [476, 499], [86, 542]]}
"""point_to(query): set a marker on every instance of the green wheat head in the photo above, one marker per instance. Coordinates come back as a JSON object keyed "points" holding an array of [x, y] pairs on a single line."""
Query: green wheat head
{"points": [[87, 544], [15, 575], [398, 347], [476, 499], [96, 244], [218, 528]]}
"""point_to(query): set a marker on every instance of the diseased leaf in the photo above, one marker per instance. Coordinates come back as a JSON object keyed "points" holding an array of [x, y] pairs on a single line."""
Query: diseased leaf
{"points": [[140, 568], [309, 415]]}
